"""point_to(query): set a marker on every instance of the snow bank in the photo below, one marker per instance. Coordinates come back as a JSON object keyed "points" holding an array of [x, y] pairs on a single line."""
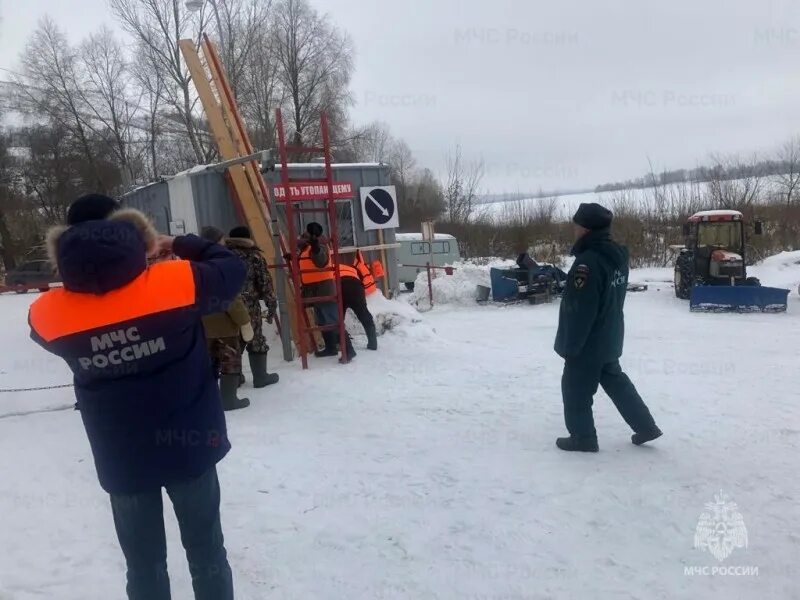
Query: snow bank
{"points": [[394, 316], [781, 270], [460, 288]]}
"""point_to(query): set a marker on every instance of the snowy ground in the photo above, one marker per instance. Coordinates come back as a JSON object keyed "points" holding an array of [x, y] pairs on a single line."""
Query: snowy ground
{"points": [[427, 469]]}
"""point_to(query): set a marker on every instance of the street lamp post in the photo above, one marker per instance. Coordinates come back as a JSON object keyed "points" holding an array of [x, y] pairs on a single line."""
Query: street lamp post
{"points": [[196, 5]]}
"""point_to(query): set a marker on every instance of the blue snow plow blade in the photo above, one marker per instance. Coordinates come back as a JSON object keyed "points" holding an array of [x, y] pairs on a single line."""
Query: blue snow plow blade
{"points": [[742, 298]]}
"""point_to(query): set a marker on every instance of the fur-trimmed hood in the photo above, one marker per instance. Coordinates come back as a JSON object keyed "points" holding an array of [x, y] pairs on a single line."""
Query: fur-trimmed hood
{"points": [[99, 256], [240, 243]]}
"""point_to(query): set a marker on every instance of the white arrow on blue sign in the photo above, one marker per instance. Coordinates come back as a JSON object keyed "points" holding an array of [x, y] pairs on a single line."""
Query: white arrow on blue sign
{"points": [[379, 207]]}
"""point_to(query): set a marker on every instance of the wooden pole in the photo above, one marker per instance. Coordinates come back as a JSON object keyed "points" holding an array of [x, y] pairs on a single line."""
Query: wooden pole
{"points": [[383, 262]]}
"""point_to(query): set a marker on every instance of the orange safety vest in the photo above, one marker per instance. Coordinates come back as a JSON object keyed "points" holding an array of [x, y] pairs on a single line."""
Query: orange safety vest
{"points": [[348, 271], [162, 287], [377, 268], [367, 280], [307, 264]]}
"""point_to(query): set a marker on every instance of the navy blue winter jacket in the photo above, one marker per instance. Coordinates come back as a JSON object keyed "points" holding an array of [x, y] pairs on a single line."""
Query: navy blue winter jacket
{"points": [[591, 323], [133, 337]]}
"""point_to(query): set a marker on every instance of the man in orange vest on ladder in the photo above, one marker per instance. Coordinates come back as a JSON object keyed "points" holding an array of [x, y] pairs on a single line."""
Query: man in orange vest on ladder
{"points": [[314, 255], [357, 284]]}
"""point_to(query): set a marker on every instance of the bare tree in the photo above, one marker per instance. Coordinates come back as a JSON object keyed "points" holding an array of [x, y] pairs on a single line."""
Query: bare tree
{"points": [[260, 90], [371, 143], [735, 183], [8, 246], [789, 176], [461, 189], [243, 26], [151, 84], [157, 26], [50, 86], [315, 66], [106, 92], [402, 163]]}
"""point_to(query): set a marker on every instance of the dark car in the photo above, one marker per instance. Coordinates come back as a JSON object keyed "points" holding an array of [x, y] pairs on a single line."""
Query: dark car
{"points": [[36, 274]]}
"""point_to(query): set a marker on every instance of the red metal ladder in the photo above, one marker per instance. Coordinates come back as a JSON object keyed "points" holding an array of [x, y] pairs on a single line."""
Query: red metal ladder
{"points": [[307, 330]]}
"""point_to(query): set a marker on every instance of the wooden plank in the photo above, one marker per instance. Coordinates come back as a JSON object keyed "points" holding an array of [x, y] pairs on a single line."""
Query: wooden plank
{"points": [[383, 262], [252, 208], [349, 249], [252, 169]]}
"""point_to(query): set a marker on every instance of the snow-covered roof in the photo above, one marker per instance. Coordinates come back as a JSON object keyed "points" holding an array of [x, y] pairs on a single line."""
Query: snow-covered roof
{"points": [[417, 237], [722, 215]]}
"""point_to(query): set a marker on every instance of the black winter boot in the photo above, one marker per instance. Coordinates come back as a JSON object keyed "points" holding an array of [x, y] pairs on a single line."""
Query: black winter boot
{"points": [[351, 352], [577, 444], [228, 385], [646, 436], [330, 345], [372, 338], [258, 364]]}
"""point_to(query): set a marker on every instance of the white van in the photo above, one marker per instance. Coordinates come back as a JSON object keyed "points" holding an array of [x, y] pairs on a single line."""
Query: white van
{"points": [[413, 251]]}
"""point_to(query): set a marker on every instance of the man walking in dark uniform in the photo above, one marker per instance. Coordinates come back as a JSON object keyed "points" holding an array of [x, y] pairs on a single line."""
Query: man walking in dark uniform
{"points": [[590, 334]]}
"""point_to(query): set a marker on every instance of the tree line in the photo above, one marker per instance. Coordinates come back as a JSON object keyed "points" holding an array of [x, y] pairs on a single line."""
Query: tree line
{"points": [[649, 218], [118, 110]]}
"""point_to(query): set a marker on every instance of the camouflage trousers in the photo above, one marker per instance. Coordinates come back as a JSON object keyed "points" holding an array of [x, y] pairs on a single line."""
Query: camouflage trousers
{"points": [[258, 345], [225, 355]]}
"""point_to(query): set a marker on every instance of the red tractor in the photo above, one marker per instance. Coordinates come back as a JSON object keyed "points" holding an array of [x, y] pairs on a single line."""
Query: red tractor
{"points": [[711, 269]]}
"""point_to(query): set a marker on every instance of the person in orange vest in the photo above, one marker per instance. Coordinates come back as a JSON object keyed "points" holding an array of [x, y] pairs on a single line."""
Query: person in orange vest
{"points": [[133, 337], [356, 281], [319, 281]]}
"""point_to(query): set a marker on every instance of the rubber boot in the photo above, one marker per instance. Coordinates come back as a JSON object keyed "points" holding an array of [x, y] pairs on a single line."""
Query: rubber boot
{"points": [[372, 338], [646, 436], [577, 444], [258, 364], [228, 385], [330, 345], [351, 352]]}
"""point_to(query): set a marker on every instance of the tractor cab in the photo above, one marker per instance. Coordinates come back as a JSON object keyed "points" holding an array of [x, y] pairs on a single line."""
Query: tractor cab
{"points": [[715, 243]]}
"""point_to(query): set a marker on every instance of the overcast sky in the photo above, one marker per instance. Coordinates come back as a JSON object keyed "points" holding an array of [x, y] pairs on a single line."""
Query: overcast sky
{"points": [[563, 94]]}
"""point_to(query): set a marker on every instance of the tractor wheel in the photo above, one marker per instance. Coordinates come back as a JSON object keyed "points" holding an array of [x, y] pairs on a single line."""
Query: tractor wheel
{"points": [[683, 284], [684, 278], [20, 289]]}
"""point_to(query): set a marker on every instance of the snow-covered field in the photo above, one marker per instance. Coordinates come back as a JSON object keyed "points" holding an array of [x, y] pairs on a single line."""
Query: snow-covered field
{"points": [[567, 204], [428, 470]]}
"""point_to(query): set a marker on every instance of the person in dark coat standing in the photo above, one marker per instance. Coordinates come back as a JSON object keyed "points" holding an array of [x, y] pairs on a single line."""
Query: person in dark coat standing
{"points": [[257, 288], [590, 334], [133, 337], [226, 331], [354, 297]]}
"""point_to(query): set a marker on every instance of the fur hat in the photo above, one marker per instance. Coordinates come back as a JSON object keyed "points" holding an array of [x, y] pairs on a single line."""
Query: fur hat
{"points": [[138, 219]]}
